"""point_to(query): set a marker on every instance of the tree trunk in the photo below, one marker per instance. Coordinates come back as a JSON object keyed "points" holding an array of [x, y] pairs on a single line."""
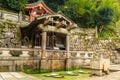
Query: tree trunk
{"points": [[100, 29]]}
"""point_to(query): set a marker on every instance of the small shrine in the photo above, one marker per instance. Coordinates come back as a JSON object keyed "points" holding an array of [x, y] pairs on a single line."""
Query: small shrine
{"points": [[49, 32]]}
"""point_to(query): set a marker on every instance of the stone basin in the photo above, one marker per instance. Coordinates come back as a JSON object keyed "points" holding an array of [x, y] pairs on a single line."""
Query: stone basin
{"points": [[54, 75], [71, 73], [85, 72]]}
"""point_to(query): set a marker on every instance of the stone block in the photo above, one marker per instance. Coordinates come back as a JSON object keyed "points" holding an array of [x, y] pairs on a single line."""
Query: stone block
{"points": [[5, 53], [98, 63], [45, 64], [55, 64], [97, 72], [68, 63], [4, 63], [24, 54], [62, 64]]}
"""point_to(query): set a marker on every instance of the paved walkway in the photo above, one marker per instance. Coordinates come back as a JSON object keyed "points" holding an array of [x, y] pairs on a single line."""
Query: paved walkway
{"points": [[15, 76], [111, 76]]}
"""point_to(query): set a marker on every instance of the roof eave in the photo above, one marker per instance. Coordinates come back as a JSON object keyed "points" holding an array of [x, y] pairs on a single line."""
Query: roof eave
{"points": [[36, 3]]}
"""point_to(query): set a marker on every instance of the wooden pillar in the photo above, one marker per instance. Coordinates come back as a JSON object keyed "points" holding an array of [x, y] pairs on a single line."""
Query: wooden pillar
{"points": [[67, 45], [68, 61], [44, 34]]}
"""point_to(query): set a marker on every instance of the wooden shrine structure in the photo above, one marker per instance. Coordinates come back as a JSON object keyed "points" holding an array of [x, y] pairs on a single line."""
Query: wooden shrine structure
{"points": [[48, 30]]}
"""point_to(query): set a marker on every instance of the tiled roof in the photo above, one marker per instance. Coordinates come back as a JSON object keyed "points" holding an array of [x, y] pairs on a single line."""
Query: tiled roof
{"points": [[39, 1]]}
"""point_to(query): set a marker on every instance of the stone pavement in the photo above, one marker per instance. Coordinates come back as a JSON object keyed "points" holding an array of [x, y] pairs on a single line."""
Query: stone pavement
{"points": [[15, 76], [111, 76]]}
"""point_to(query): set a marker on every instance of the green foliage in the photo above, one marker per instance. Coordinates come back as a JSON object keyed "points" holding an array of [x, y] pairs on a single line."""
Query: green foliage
{"points": [[108, 31], [17, 5], [33, 71], [0, 52], [55, 4], [106, 34], [94, 13], [84, 10], [25, 67], [72, 14], [72, 68], [105, 16], [36, 71], [32, 1], [61, 69], [30, 71], [45, 71]]}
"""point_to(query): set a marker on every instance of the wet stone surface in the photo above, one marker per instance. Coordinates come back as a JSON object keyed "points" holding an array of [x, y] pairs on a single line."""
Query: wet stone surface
{"points": [[15, 76]]}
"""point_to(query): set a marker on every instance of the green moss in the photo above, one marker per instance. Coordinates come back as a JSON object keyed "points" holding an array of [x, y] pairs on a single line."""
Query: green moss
{"points": [[0, 52], [8, 10], [73, 68], [66, 77], [62, 69], [45, 71], [33, 71], [106, 34]]}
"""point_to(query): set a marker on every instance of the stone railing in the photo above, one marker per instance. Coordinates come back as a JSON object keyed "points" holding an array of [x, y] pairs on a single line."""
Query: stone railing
{"points": [[56, 54], [20, 52], [81, 54], [80, 58], [9, 57]]}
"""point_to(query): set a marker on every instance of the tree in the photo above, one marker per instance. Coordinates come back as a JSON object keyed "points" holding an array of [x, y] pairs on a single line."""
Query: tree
{"points": [[55, 4], [32, 1], [110, 16], [71, 13], [17, 5], [84, 11], [94, 13]]}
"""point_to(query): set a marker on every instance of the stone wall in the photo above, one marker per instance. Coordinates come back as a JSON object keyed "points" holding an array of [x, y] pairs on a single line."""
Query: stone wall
{"points": [[9, 35], [10, 24], [85, 40], [81, 39]]}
